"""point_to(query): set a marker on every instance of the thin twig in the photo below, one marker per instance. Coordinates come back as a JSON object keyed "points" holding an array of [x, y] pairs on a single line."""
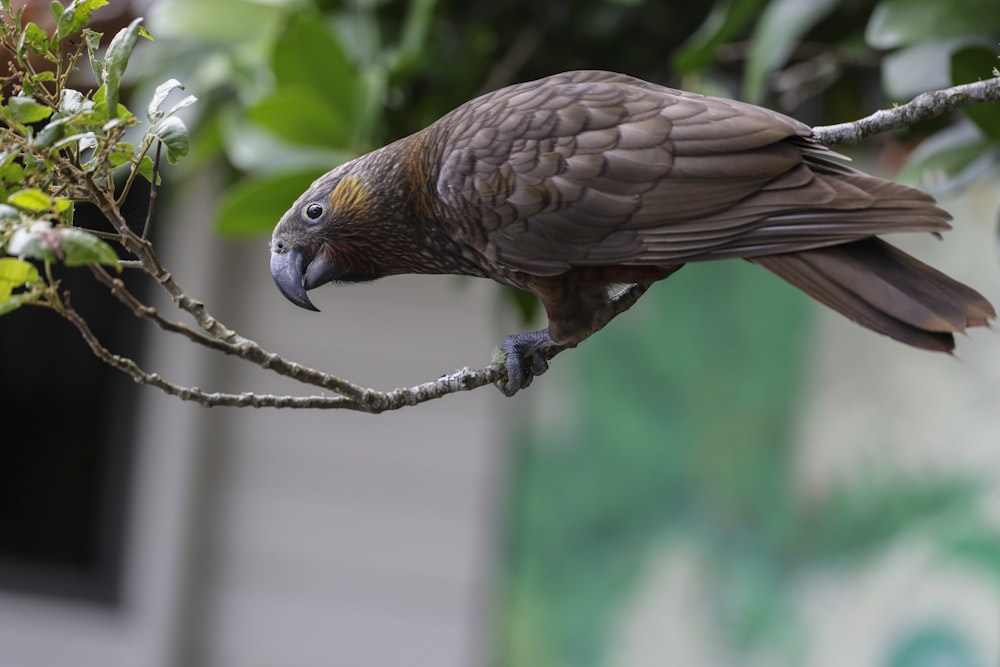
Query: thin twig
{"points": [[207, 399], [246, 349], [922, 107], [369, 400], [117, 288], [375, 402], [152, 192]]}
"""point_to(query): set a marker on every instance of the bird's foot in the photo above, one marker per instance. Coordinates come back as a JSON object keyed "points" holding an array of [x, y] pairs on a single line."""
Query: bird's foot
{"points": [[525, 357]]}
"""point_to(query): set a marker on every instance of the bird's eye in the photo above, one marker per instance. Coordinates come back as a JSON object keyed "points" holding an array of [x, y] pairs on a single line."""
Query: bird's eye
{"points": [[314, 212]]}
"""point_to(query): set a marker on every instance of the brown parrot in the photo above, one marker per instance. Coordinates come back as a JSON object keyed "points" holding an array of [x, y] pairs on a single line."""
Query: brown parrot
{"points": [[574, 183]]}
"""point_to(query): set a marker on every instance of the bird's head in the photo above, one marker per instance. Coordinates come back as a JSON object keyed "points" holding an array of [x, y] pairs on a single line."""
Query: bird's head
{"points": [[327, 235]]}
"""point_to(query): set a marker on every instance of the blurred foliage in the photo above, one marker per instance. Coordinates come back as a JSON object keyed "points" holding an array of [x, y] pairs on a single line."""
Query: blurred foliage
{"points": [[937, 44], [934, 646], [660, 450], [687, 437], [693, 445]]}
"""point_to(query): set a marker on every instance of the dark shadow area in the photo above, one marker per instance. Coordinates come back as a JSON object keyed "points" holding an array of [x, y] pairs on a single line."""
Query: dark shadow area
{"points": [[67, 439]]}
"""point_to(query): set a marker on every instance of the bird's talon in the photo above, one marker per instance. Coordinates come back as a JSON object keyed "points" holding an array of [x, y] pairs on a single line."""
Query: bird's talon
{"points": [[539, 364], [524, 358]]}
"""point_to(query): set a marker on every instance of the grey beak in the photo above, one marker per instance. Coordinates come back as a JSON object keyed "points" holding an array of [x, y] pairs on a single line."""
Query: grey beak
{"points": [[286, 269]]}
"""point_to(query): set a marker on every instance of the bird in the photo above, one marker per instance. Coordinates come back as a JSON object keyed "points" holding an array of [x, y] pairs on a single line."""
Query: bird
{"points": [[575, 183]]}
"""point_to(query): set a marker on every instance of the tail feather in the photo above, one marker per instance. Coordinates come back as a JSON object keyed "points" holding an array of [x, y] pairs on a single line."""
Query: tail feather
{"points": [[884, 289]]}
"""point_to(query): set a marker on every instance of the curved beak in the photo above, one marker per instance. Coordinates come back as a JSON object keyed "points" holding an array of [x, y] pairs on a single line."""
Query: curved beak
{"points": [[287, 271]]}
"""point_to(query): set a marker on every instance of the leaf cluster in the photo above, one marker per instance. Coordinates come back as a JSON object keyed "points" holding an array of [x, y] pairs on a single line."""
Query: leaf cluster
{"points": [[62, 144]]}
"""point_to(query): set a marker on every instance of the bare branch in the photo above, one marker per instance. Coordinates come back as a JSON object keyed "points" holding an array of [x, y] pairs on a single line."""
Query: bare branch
{"points": [[153, 189], [922, 107], [242, 348], [367, 400], [207, 399]]}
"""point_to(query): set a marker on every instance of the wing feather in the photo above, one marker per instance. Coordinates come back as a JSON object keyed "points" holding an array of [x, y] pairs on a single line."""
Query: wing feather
{"points": [[591, 168]]}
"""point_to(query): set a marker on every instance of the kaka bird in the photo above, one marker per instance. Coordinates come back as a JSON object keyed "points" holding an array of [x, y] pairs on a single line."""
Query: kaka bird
{"points": [[568, 185]]}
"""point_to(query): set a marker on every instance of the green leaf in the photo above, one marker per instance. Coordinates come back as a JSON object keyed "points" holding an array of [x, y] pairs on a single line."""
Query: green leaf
{"points": [[253, 206], [57, 9], [83, 140], [93, 41], [46, 75], [184, 103], [723, 23], [975, 63], [35, 38], [304, 116], [122, 153], [14, 273], [76, 16], [50, 134], [32, 200], [115, 61], [73, 101], [81, 248], [24, 109], [11, 173], [72, 246], [781, 27], [146, 168], [332, 77], [174, 134], [15, 301], [154, 111]]}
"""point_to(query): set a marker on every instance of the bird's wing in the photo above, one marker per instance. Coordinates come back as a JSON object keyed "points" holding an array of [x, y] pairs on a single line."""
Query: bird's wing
{"points": [[594, 168]]}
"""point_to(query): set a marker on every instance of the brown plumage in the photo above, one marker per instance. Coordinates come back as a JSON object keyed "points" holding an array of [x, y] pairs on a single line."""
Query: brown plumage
{"points": [[569, 184]]}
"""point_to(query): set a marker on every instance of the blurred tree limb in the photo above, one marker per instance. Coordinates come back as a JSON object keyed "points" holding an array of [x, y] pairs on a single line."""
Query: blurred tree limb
{"points": [[922, 107], [61, 146]]}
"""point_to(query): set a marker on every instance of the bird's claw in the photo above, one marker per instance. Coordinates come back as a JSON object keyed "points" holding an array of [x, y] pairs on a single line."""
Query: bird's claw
{"points": [[525, 358]]}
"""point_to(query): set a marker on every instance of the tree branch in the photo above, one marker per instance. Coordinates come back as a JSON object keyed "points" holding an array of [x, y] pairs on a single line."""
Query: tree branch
{"points": [[922, 107], [207, 399], [243, 348], [347, 395], [366, 400]]}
